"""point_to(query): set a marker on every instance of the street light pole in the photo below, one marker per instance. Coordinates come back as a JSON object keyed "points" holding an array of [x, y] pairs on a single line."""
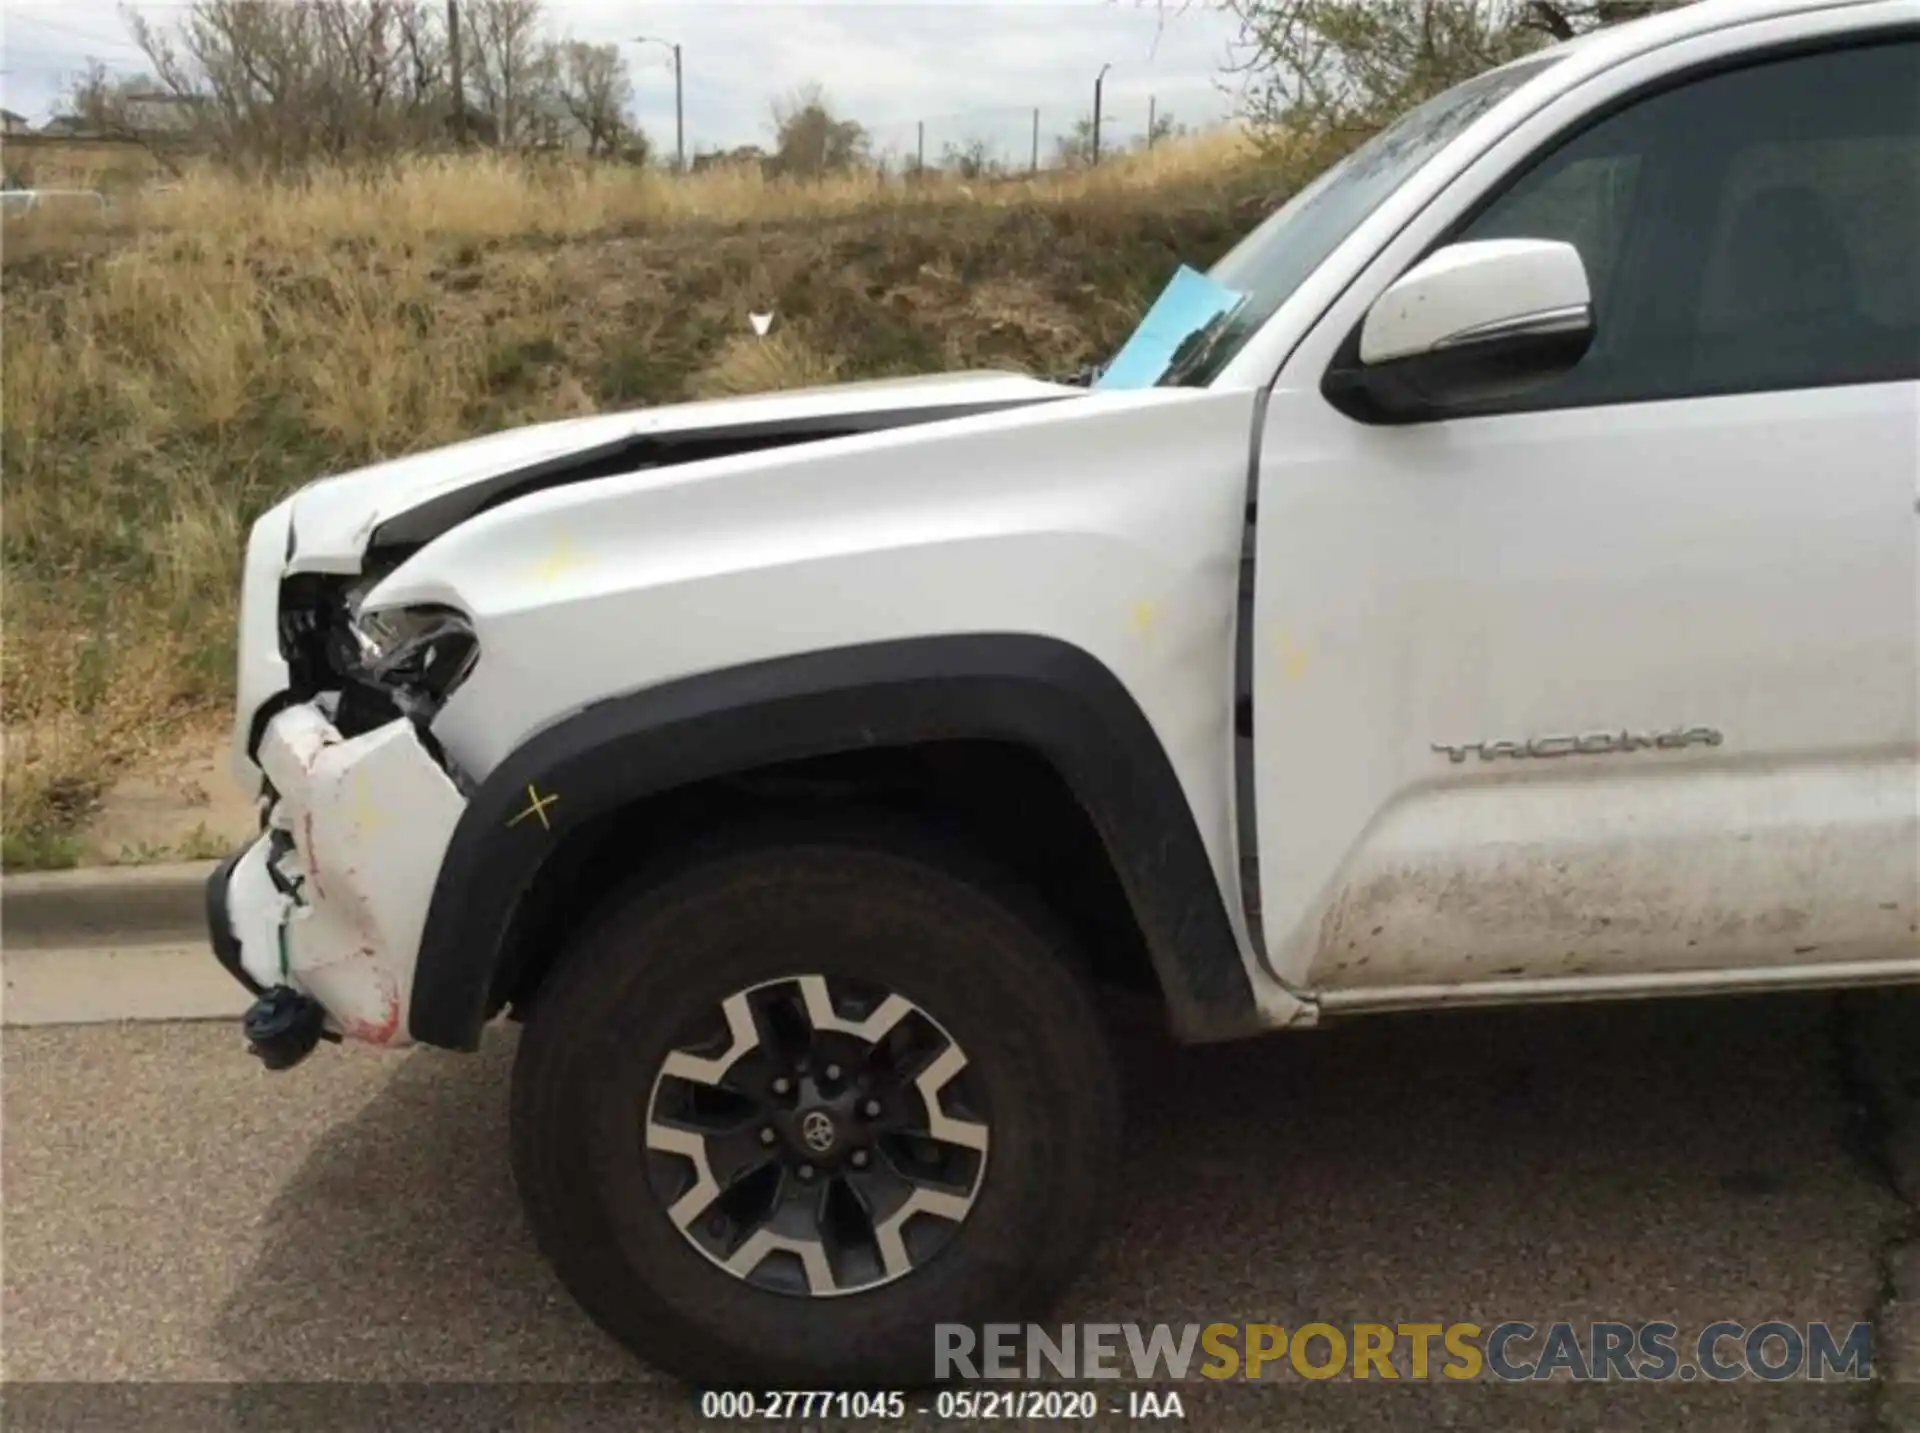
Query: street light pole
{"points": [[679, 101], [1098, 81], [679, 116]]}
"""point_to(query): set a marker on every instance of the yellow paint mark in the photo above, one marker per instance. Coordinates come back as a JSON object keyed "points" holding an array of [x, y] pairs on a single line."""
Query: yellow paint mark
{"points": [[366, 813], [536, 806], [563, 558], [1293, 657], [1143, 618]]}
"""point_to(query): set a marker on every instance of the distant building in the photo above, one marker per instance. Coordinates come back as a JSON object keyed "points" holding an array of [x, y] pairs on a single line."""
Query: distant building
{"points": [[66, 126], [11, 123], [159, 113], [552, 127], [744, 155]]}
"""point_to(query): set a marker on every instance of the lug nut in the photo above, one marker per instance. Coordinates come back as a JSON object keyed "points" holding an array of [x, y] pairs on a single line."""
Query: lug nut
{"points": [[871, 1109], [782, 1085], [859, 1159], [767, 1136], [806, 1172], [833, 1072]]}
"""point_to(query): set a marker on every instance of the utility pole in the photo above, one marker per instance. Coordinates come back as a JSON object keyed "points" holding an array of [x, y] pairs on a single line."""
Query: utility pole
{"points": [[679, 101], [1150, 100], [1036, 141], [920, 147], [679, 117], [1098, 80], [459, 83]]}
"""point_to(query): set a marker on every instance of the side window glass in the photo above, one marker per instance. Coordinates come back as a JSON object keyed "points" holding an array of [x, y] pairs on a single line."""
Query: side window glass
{"points": [[1815, 247], [1585, 201], [1746, 231]]}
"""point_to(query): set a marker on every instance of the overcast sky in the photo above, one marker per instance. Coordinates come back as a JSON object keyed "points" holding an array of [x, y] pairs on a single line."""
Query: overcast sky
{"points": [[965, 69]]}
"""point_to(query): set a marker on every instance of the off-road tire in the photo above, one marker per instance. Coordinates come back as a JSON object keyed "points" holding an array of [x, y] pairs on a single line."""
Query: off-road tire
{"points": [[972, 950]]}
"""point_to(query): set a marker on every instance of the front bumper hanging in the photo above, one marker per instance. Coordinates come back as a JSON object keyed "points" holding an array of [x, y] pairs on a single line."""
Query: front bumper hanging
{"points": [[321, 917], [282, 1025]]}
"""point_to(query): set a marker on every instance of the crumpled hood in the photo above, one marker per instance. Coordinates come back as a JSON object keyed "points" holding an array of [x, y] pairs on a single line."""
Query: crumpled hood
{"points": [[407, 501]]}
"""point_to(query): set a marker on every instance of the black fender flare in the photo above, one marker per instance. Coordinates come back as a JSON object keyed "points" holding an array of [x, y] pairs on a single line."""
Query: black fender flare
{"points": [[1046, 695]]}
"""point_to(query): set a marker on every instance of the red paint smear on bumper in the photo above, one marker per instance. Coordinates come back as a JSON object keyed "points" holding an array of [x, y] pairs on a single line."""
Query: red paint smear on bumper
{"points": [[313, 857], [380, 1033]]}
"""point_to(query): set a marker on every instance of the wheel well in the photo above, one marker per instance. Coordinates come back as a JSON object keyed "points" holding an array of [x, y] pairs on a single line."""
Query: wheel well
{"points": [[1005, 802]]}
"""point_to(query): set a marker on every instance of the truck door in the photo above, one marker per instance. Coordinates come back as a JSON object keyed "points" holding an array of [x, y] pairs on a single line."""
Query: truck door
{"points": [[1612, 685]]}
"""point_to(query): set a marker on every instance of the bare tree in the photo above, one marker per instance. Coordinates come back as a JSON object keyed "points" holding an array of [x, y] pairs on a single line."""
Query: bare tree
{"points": [[424, 53], [509, 63], [1335, 64], [1074, 149], [278, 85], [594, 86], [1163, 128], [970, 158], [356, 49], [108, 105], [97, 98], [1563, 21], [1352, 64], [809, 139]]}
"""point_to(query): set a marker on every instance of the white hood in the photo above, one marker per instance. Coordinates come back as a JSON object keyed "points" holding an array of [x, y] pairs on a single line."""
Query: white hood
{"points": [[334, 519]]}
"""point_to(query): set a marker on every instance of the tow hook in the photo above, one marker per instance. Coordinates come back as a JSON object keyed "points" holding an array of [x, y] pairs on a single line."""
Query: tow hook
{"points": [[283, 1026]]}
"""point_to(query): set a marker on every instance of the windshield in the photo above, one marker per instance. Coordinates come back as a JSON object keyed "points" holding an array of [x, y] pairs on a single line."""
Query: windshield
{"points": [[1200, 321]]}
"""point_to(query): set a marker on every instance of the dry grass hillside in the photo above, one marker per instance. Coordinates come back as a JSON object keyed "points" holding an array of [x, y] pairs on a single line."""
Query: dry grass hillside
{"points": [[174, 366]]}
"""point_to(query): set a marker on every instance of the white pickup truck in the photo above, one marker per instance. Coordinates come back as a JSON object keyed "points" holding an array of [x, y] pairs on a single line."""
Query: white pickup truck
{"points": [[1494, 582]]}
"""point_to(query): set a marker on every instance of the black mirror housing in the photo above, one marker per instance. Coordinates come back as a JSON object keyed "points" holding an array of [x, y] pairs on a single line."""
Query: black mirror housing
{"points": [[1453, 381]]}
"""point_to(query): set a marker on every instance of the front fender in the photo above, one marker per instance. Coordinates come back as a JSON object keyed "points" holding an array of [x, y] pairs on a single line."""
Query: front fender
{"points": [[1040, 693]]}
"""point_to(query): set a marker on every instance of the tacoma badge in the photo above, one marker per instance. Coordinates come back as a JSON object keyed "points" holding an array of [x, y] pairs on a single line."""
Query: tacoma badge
{"points": [[1592, 743]]}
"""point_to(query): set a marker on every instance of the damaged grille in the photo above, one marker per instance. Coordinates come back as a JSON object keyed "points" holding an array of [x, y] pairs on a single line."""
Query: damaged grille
{"points": [[315, 616]]}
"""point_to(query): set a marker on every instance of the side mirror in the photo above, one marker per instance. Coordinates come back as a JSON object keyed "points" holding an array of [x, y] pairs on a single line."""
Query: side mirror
{"points": [[1471, 323]]}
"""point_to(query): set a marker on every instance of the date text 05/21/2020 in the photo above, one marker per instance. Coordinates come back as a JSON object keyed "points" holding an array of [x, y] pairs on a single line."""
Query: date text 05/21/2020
{"points": [[1020, 1404]]}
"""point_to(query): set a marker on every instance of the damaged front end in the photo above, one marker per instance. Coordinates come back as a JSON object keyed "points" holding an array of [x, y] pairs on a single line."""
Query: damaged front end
{"points": [[339, 688], [322, 916]]}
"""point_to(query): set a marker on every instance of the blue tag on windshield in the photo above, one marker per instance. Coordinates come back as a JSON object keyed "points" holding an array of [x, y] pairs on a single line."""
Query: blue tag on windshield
{"points": [[1189, 302]]}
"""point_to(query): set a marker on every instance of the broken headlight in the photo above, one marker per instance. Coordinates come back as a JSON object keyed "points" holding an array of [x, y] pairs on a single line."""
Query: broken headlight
{"points": [[420, 654]]}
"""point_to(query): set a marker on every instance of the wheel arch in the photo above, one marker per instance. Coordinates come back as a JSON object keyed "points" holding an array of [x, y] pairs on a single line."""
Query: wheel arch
{"points": [[617, 772]]}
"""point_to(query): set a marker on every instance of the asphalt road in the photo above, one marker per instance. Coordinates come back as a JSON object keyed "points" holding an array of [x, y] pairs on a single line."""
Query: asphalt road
{"points": [[193, 1243]]}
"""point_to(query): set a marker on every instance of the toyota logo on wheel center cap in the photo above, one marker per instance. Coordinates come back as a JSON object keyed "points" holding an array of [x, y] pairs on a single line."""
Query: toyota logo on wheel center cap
{"points": [[816, 1129]]}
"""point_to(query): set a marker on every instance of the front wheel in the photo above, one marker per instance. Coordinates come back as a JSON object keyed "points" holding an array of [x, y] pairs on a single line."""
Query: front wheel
{"points": [[780, 1113]]}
